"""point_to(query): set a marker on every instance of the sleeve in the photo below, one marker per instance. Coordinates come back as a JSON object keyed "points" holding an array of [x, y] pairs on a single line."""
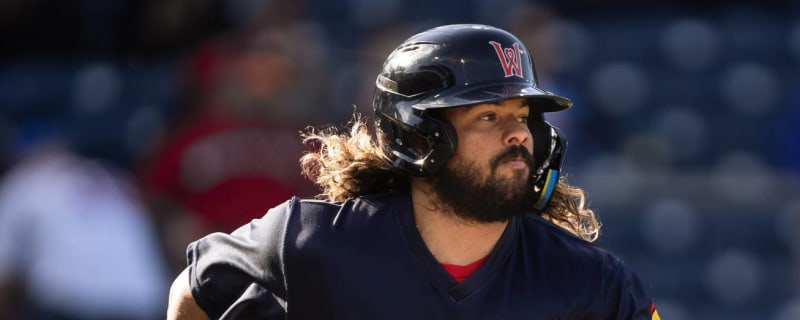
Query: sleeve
{"points": [[241, 275], [625, 296]]}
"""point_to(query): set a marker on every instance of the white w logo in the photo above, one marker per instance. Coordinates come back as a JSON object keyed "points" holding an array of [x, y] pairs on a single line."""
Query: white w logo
{"points": [[510, 59]]}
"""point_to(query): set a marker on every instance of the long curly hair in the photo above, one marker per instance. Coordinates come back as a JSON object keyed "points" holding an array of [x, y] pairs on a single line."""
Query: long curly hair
{"points": [[348, 164]]}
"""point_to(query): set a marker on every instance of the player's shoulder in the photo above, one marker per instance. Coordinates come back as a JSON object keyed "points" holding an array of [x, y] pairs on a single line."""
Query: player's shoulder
{"points": [[559, 240], [362, 203], [324, 211], [559, 247]]}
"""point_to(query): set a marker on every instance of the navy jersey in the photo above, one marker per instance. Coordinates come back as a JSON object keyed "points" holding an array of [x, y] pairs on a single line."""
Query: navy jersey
{"points": [[364, 259]]}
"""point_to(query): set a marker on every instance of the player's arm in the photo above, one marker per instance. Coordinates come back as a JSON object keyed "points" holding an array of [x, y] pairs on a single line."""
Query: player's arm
{"points": [[181, 301], [237, 275]]}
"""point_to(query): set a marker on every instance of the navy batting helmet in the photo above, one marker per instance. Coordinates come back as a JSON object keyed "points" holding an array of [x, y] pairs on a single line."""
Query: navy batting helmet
{"points": [[459, 65]]}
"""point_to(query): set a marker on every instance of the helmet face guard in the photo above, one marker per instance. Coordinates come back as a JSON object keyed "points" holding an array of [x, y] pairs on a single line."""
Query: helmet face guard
{"points": [[453, 66]]}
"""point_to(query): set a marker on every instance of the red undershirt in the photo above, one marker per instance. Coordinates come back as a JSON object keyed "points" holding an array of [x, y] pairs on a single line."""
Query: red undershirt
{"points": [[461, 273]]}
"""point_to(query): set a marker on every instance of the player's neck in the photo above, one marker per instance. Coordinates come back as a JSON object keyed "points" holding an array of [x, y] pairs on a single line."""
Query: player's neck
{"points": [[451, 239]]}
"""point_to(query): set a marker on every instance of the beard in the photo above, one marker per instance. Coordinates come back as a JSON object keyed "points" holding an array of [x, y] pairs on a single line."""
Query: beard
{"points": [[461, 191]]}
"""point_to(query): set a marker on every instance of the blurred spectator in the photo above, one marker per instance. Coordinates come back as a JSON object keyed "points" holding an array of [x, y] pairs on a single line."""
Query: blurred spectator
{"points": [[75, 242], [233, 154]]}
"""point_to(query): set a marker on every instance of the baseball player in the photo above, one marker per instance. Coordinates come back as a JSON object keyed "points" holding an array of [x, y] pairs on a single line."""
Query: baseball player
{"points": [[455, 211]]}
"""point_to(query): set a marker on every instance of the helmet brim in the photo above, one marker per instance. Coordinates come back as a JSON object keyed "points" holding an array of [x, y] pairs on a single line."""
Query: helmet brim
{"points": [[540, 100]]}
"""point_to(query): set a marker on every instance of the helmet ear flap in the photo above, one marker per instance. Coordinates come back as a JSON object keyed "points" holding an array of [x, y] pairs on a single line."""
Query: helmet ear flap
{"points": [[421, 149], [549, 145]]}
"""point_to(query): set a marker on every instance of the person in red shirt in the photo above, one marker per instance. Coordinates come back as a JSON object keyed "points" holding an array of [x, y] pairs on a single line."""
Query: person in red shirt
{"points": [[232, 154]]}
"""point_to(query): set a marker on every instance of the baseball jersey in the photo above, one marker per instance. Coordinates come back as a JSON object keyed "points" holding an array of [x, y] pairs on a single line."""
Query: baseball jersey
{"points": [[364, 259]]}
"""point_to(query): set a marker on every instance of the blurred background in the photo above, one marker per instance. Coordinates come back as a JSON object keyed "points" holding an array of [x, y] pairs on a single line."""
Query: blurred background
{"points": [[129, 128]]}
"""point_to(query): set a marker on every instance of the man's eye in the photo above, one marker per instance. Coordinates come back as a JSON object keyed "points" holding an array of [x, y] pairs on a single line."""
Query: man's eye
{"points": [[488, 117], [523, 119]]}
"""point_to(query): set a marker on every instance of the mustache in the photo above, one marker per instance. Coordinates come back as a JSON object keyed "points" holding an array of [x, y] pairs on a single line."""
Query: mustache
{"points": [[513, 152]]}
